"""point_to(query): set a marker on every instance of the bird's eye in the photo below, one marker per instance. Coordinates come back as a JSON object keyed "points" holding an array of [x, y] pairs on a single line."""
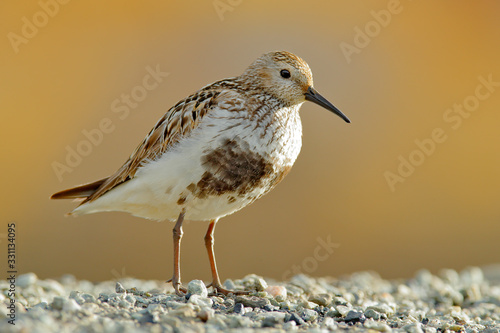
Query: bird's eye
{"points": [[285, 73]]}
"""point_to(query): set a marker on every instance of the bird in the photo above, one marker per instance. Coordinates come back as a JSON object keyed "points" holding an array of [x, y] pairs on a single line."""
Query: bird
{"points": [[213, 153]]}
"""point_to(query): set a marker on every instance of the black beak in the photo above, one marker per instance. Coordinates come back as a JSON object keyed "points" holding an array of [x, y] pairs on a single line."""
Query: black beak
{"points": [[313, 96]]}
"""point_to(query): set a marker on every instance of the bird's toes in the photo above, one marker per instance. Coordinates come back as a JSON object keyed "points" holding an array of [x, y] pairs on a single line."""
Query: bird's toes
{"points": [[218, 289]]}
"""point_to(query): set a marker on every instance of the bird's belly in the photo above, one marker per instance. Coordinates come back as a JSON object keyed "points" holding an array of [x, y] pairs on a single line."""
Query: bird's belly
{"points": [[220, 181]]}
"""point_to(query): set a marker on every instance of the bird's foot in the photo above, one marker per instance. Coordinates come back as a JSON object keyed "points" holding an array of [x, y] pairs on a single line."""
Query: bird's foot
{"points": [[218, 289], [176, 283]]}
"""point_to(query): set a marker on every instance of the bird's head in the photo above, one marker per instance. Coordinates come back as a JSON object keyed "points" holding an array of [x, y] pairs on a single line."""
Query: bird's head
{"points": [[288, 78]]}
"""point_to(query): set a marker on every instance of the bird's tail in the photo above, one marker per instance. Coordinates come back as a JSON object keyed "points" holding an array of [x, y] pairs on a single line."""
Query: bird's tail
{"points": [[81, 191]]}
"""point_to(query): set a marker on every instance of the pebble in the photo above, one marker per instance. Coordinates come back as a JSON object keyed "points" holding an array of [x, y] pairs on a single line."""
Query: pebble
{"points": [[197, 287], [370, 313], [321, 299], [343, 310], [354, 316], [239, 308], [254, 282], [142, 301], [71, 305], [131, 299], [340, 301], [299, 321], [309, 315], [413, 328], [205, 314], [472, 275], [25, 280], [52, 286], [424, 277], [382, 308], [286, 305], [185, 311], [57, 303], [76, 295], [278, 292], [271, 319], [253, 301], [155, 308], [119, 288], [174, 304], [332, 312], [88, 298], [229, 284], [201, 301], [90, 308], [290, 326], [329, 324], [124, 304], [377, 326]]}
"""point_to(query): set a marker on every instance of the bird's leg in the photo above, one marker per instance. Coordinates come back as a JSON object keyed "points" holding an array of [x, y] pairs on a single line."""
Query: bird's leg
{"points": [[176, 278], [209, 244]]}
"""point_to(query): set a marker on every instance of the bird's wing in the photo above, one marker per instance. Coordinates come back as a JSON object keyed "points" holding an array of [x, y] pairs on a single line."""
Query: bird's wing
{"points": [[177, 123]]}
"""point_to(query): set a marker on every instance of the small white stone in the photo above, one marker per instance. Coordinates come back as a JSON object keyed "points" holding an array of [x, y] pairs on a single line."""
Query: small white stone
{"points": [[124, 304], [260, 284], [200, 301], [309, 315], [197, 287], [52, 286], [329, 323], [413, 328], [77, 296], [377, 326], [90, 308], [88, 298], [71, 305], [155, 308], [290, 326], [343, 310], [472, 275], [25, 280]]}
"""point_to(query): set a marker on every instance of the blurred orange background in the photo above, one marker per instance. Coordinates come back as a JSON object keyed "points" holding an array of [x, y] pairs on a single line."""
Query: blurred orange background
{"points": [[383, 193]]}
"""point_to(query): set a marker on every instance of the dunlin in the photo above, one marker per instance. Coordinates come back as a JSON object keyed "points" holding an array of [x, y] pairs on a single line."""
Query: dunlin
{"points": [[213, 153]]}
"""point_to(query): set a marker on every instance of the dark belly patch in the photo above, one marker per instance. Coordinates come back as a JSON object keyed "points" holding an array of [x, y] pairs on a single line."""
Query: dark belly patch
{"points": [[232, 168]]}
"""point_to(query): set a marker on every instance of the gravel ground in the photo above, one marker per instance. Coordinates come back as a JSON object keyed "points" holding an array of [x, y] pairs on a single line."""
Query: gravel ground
{"points": [[466, 301]]}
